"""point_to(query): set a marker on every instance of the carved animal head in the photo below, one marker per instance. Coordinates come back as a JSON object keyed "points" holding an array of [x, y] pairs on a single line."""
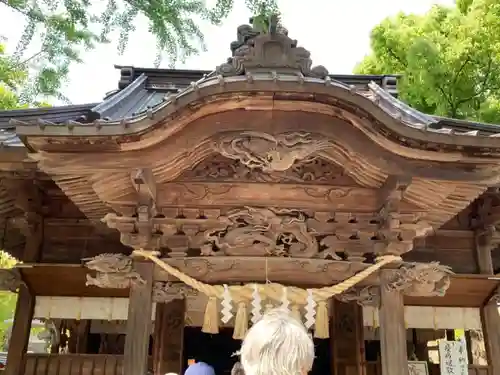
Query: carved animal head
{"points": [[107, 263], [424, 280]]}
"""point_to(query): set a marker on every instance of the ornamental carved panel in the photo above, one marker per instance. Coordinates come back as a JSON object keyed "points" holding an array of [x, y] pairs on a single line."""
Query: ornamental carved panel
{"points": [[259, 231]]}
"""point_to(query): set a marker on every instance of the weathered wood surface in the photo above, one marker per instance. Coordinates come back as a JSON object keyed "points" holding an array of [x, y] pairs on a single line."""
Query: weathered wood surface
{"points": [[392, 330], [139, 322], [168, 337], [73, 364], [20, 331]]}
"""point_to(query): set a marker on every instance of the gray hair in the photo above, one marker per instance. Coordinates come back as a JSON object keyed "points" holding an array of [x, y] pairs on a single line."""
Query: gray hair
{"points": [[278, 344]]}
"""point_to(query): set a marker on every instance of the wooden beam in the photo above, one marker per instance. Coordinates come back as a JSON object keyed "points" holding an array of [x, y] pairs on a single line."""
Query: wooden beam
{"points": [[392, 191], [139, 322], [145, 185], [20, 331], [168, 339], [489, 313], [392, 329]]}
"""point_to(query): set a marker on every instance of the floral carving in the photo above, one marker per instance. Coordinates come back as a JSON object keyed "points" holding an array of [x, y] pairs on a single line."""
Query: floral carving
{"points": [[269, 153], [112, 271], [422, 279], [261, 232]]}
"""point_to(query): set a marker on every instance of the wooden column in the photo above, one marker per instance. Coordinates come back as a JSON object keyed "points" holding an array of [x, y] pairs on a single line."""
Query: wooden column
{"points": [[168, 339], [140, 307], [392, 329], [347, 339], [20, 331], [489, 313]]}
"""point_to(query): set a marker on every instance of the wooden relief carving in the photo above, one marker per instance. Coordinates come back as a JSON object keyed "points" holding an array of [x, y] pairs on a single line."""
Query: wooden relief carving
{"points": [[274, 50], [261, 232], [270, 153], [165, 292], [369, 296], [257, 231], [312, 170], [422, 280], [112, 271]]}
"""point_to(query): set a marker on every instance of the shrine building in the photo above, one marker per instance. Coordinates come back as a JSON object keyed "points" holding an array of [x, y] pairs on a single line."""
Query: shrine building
{"points": [[154, 227]]}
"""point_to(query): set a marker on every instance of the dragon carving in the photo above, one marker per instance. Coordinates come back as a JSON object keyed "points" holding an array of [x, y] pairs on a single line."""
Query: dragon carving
{"points": [[261, 232], [422, 280], [112, 271], [270, 153]]}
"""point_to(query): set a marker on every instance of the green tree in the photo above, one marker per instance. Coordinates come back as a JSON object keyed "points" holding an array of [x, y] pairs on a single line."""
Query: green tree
{"points": [[11, 78], [7, 299], [68, 27], [449, 59]]}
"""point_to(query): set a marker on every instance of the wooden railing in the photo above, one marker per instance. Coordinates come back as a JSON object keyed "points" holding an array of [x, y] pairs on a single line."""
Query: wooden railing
{"points": [[74, 364]]}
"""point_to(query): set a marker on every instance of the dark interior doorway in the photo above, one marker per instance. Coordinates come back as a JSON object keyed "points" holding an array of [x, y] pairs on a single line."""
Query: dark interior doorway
{"points": [[217, 350]]}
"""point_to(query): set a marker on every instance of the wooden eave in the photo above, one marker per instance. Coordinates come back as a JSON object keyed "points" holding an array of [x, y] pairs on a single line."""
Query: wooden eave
{"points": [[464, 290]]}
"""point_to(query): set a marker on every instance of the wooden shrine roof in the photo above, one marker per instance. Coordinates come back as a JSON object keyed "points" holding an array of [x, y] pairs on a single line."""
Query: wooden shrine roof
{"points": [[282, 142]]}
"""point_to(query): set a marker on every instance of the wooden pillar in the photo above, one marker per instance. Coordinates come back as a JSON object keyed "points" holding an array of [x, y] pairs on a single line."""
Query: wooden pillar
{"points": [[348, 339], [140, 307], [489, 313], [20, 331], [168, 339], [392, 329]]}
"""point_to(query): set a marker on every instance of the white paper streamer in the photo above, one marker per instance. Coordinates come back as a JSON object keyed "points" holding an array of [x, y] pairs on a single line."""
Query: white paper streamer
{"points": [[310, 310], [226, 305], [285, 303], [256, 304]]}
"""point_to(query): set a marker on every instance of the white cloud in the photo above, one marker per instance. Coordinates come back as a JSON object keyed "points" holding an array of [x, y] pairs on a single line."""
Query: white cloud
{"points": [[335, 32]]}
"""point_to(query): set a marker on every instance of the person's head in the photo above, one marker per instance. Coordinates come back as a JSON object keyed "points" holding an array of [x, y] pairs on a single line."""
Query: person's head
{"points": [[237, 369], [278, 344], [199, 368]]}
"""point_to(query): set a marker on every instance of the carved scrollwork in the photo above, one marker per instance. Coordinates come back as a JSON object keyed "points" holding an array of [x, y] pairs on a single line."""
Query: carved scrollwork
{"points": [[422, 279], [165, 292], [269, 153], [112, 271], [262, 231], [313, 170], [367, 296], [259, 51]]}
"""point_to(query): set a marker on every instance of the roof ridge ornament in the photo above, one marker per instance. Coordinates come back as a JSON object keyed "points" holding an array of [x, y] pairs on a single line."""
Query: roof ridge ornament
{"points": [[261, 50]]}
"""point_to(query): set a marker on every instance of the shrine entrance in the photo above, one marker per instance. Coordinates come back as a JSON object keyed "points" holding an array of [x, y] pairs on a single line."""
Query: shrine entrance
{"points": [[217, 350]]}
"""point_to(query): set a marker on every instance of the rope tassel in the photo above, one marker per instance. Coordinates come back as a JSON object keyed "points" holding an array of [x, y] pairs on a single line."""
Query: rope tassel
{"points": [[314, 299], [241, 322], [211, 321]]}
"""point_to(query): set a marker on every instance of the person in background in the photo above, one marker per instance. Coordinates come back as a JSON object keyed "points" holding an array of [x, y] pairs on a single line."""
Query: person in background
{"points": [[278, 344], [199, 368]]}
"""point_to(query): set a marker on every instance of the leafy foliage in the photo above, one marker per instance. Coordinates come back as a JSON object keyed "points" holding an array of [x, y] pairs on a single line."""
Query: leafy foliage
{"points": [[11, 77], [449, 59], [7, 299], [69, 27]]}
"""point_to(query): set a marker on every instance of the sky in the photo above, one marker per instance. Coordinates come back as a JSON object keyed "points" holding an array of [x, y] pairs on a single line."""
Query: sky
{"points": [[336, 32]]}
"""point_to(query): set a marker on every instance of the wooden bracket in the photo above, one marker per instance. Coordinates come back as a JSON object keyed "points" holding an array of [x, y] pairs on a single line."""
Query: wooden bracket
{"points": [[145, 185]]}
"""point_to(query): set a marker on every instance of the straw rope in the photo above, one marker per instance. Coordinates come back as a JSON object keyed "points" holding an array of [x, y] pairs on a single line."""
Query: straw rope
{"points": [[274, 291]]}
